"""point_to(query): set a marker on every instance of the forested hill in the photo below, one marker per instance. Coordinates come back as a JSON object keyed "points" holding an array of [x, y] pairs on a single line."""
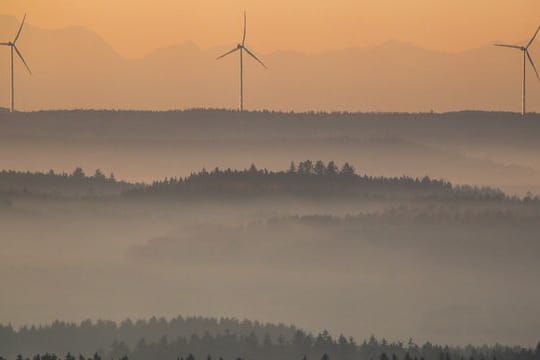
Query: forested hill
{"points": [[227, 339], [50, 183], [310, 180], [468, 127], [88, 337]]}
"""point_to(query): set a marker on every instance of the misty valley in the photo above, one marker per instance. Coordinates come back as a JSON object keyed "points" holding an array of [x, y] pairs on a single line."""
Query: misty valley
{"points": [[269, 180], [403, 230]]}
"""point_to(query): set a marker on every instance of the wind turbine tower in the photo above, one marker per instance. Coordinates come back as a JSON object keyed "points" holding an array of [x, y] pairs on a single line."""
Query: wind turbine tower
{"points": [[241, 47], [526, 56], [13, 49]]}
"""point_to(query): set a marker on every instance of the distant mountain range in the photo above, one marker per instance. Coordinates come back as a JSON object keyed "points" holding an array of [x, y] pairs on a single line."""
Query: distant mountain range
{"points": [[75, 68]]}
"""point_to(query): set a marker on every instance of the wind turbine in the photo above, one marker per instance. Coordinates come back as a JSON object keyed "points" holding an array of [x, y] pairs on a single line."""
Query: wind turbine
{"points": [[13, 48], [242, 47], [526, 55]]}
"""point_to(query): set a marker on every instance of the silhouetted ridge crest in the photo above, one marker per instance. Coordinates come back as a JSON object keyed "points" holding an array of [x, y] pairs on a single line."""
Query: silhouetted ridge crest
{"points": [[64, 184], [300, 345], [308, 179], [102, 336]]}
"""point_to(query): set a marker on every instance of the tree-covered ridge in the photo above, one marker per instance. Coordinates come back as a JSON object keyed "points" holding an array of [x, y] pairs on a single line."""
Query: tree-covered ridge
{"points": [[310, 179], [89, 336], [467, 126], [503, 215], [301, 345], [76, 183]]}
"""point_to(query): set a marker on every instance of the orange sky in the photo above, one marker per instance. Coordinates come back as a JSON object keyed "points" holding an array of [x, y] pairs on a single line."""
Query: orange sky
{"points": [[136, 27]]}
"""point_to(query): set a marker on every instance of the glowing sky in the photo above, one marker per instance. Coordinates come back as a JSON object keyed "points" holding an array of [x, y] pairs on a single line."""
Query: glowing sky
{"points": [[136, 27]]}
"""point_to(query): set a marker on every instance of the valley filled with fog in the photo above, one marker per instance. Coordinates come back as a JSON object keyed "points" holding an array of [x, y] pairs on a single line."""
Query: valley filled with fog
{"points": [[383, 250]]}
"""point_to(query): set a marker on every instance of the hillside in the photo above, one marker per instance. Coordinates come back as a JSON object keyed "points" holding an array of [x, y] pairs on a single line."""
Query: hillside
{"points": [[310, 180], [210, 338], [76, 184], [476, 148], [88, 337], [276, 245]]}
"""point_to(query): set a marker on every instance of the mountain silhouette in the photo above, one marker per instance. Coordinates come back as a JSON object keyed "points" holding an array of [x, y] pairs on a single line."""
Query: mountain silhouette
{"points": [[75, 68]]}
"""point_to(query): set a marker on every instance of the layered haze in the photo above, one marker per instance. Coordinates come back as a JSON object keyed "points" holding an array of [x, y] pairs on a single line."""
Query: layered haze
{"points": [[382, 179], [136, 28], [75, 68], [354, 254]]}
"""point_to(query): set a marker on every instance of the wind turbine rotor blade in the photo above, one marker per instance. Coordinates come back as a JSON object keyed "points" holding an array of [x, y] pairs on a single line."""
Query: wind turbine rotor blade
{"points": [[227, 53], [4, 44], [20, 29], [245, 25], [255, 57], [509, 46], [533, 38], [22, 58], [532, 63]]}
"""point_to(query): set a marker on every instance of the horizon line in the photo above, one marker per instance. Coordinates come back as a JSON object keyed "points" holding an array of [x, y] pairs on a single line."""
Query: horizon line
{"points": [[262, 111]]}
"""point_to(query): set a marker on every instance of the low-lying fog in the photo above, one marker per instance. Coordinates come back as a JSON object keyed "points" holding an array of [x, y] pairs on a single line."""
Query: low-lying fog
{"points": [[433, 273], [383, 157], [476, 148]]}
